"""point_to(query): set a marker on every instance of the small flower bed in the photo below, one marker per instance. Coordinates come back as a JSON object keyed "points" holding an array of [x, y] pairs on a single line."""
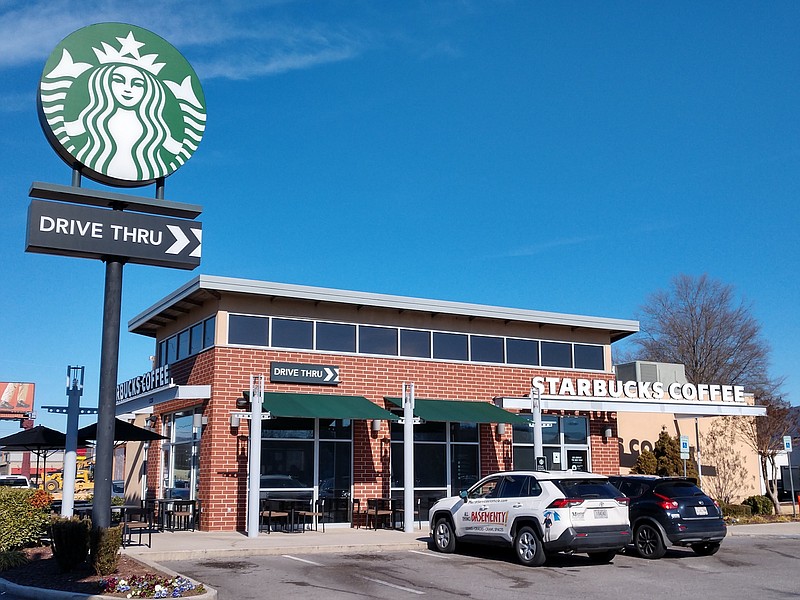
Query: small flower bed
{"points": [[150, 586]]}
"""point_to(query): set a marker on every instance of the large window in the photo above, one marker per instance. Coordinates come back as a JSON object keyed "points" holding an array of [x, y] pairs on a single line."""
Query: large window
{"points": [[190, 341], [450, 346], [486, 349], [446, 460], [299, 454], [179, 454]]}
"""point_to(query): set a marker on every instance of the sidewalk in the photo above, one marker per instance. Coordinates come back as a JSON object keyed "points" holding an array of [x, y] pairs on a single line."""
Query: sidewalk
{"points": [[191, 545], [791, 529]]}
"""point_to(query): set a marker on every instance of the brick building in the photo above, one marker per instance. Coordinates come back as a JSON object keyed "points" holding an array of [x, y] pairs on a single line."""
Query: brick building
{"points": [[335, 364]]}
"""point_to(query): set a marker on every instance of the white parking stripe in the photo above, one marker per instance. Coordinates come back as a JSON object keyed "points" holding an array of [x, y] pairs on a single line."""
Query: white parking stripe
{"points": [[303, 560], [391, 585], [435, 554]]}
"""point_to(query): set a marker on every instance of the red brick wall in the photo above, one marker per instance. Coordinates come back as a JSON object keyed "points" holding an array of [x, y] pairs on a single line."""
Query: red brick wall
{"points": [[223, 450]]}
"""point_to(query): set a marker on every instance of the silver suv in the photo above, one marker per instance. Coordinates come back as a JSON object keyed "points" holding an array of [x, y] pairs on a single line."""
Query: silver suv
{"points": [[538, 513]]}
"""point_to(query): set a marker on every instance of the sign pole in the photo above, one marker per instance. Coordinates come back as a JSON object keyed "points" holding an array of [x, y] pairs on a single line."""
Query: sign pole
{"points": [[787, 445], [254, 470], [106, 404], [536, 410], [408, 457]]}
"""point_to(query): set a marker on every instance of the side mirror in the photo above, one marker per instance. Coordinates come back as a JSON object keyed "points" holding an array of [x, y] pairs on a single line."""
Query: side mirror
{"points": [[463, 494]]}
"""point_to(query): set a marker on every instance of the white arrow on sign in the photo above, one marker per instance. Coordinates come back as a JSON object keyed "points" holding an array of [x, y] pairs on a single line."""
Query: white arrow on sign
{"points": [[181, 241], [331, 374]]}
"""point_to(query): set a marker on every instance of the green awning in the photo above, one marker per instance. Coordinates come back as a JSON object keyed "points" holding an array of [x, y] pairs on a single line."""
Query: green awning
{"points": [[323, 406], [461, 411]]}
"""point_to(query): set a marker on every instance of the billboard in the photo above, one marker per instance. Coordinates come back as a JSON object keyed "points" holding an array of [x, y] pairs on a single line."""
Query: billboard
{"points": [[16, 400]]}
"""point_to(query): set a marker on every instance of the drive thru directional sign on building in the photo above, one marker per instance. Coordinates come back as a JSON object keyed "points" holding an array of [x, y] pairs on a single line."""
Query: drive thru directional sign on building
{"points": [[89, 232]]}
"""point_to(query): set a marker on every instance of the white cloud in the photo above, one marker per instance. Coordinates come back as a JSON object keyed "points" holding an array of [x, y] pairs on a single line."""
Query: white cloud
{"points": [[220, 39]]}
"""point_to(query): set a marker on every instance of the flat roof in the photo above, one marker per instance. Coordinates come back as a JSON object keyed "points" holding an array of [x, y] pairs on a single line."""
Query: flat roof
{"points": [[204, 287]]}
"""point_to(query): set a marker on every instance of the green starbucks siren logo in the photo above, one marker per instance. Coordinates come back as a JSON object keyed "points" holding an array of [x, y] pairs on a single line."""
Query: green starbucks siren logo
{"points": [[121, 104]]}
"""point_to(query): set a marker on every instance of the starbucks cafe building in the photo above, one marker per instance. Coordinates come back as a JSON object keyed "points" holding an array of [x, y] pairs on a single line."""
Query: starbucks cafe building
{"points": [[336, 365]]}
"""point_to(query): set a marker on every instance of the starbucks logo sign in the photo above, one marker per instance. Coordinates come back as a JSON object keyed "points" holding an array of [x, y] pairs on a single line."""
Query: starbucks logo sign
{"points": [[121, 104]]}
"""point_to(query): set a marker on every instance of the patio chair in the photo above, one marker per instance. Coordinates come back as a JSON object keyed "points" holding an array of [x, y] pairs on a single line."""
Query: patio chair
{"points": [[271, 511], [137, 520], [315, 514]]}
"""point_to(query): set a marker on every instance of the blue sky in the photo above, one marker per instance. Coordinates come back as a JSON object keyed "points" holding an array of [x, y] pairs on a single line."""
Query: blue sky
{"points": [[559, 156]]}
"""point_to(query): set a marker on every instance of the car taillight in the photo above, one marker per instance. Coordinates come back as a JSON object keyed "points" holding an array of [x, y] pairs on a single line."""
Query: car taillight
{"points": [[623, 501], [666, 503], [716, 503], [565, 502]]}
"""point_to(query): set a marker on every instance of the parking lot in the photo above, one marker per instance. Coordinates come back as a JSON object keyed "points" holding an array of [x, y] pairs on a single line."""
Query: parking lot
{"points": [[745, 567]]}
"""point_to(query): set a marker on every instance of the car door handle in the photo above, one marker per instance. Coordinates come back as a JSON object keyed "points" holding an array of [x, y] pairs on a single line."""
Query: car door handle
{"points": [[517, 505]]}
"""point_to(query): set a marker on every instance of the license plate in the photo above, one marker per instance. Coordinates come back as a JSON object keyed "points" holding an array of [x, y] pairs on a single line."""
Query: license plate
{"points": [[700, 510], [600, 513]]}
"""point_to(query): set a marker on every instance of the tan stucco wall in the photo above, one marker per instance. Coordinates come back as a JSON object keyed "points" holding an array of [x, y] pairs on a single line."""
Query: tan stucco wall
{"points": [[639, 431]]}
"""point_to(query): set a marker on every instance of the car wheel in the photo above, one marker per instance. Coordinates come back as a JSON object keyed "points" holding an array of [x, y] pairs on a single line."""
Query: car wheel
{"points": [[528, 547], [648, 542], [444, 538], [706, 548], [602, 557], [51, 486]]}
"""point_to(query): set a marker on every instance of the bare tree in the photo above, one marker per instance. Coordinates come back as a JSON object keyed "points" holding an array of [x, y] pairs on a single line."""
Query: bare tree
{"points": [[699, 324], [765, 436], [719, 450]]}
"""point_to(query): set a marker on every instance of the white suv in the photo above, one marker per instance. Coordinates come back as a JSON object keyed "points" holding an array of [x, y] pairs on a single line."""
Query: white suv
{"points": [[536, 512]]}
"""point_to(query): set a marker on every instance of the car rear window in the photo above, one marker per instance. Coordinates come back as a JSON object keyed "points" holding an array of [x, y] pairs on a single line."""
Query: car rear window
{"points": [[13, 481], [678, 489], [586, 488]]}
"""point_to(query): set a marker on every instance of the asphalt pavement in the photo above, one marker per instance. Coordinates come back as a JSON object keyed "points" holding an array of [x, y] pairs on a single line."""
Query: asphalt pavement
{"points": [[193, 545]]}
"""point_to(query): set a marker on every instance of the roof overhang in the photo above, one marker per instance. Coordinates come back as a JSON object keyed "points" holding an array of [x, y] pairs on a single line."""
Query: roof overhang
{"points": [[688, 409], [204, 287], [171, 392]]}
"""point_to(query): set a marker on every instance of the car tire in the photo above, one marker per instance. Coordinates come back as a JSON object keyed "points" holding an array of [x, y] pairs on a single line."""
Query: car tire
{"points": [[444, 537], [51, 486], [706, 548], [648, 542], [528, 547], [602, 557]]}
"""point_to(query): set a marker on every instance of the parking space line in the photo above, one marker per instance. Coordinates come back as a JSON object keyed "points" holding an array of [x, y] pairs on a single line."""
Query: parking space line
{"points": [[435, 554], [303, 560], [392, 585]]}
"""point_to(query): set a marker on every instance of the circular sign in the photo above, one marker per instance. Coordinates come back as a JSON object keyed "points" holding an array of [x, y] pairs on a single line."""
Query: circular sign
{"points": [[121, 104]]}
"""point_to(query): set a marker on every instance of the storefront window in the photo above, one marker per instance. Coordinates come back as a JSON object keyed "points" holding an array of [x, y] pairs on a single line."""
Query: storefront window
{"points": [[180, 456], [290, 468]]}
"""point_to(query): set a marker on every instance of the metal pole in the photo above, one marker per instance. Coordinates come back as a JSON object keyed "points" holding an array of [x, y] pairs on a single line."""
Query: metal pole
{"points": [[408, 457], [536, 410], [254, 469], [106, 406], [697, 452], [791, 483], [74, 392]]}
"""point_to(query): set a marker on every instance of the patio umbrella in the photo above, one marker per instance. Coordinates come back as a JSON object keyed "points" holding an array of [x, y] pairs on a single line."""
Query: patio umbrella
{"points": [[40, 440], [123, 432]]}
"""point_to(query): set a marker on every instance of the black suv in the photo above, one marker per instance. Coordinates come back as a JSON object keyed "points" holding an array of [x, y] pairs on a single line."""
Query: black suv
{"points": [[671, 511]]}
